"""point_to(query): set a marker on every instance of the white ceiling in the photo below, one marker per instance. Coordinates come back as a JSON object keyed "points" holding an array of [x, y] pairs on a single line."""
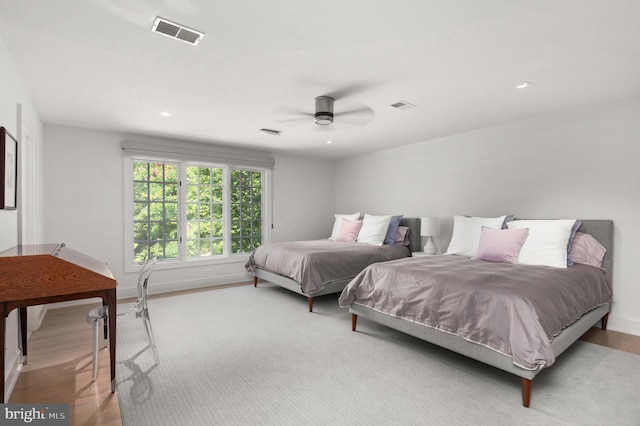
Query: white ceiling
{"points": [[95, 64]]}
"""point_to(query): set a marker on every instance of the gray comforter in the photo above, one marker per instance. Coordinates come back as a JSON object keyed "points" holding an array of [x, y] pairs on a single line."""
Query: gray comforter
{"points": [[513, 309], [316, 263]]}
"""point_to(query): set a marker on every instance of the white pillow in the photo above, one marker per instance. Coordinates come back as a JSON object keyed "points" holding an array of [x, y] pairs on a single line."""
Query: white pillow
{"points": [[466, 233], [546, 243], [374, 229], [338, 223]]}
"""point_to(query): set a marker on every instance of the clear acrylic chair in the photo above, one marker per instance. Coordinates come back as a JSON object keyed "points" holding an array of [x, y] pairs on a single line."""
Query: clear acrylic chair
{"points": [[138, 309]]}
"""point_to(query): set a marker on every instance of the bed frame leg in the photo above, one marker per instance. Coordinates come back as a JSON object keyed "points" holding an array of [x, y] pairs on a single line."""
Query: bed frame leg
{"points": [[354, 321], [605, 319], [526, 392], [311, 304], [255, 281]]}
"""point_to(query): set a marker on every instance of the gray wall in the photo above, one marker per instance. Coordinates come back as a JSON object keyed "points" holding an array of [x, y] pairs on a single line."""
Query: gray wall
{"points": [[578, 164]]}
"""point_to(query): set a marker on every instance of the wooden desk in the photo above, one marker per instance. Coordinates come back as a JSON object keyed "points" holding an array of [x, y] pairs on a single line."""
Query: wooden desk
{"points": [[47, 273]]}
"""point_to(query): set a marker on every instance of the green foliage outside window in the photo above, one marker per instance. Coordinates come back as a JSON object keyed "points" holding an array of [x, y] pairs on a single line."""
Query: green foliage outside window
{"points": [[205, 219], [246, 210], [155, 211]]}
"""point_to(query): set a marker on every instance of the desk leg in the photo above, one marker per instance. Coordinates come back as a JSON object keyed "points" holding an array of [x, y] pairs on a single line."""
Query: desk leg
{"points": [[22, 312], [106, 324], [2, 339], [111, 301]]}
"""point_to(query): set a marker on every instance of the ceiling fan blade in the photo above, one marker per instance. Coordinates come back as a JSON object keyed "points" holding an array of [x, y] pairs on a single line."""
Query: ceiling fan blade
{"points": [[293, 121], [362, 111], [355, 116], [355, 121], [348, 90], [291, 111], [292, 116]]}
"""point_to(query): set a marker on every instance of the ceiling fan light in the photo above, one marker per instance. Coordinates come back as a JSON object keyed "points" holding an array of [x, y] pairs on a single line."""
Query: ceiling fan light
{"points": [[323, 118]]}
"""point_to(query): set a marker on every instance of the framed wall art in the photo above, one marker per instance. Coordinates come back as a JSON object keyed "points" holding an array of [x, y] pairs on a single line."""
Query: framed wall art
{"points": [[8, 170]]}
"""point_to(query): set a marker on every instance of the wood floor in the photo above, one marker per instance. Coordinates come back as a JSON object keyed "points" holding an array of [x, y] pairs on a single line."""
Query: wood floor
{"points": [[59, 368]]}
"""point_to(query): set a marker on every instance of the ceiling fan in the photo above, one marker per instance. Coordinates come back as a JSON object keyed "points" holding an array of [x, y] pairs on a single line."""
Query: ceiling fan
{"points": [[324, 110], [348, 114]]}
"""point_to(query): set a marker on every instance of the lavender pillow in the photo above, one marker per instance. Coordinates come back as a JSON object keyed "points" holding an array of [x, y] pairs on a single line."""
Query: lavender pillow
{"points": [[500, 245], [587, 250], [574, 229], [349, 229], [402, 236]]}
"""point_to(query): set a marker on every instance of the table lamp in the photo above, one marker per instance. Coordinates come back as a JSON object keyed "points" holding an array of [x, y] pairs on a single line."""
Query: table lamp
{"points": [[429, 229]]}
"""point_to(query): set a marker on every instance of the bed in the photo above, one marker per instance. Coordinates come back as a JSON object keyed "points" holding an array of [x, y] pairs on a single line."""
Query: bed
{"points": [[489, 311], [319, 267]]}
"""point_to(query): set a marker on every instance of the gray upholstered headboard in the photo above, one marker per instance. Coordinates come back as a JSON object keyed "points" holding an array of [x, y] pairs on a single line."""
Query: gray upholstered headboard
{"points": [[415, 244], [602, 230]]}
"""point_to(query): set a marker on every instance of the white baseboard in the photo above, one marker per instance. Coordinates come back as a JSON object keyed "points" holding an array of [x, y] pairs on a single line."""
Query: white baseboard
{"points": [[624, 325], [160, 288], [11, 376]]}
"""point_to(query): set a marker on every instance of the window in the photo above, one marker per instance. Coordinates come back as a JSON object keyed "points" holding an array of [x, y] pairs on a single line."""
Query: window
{"points": [[184, 211], [205, 201], [155, 210], [246, 210]]}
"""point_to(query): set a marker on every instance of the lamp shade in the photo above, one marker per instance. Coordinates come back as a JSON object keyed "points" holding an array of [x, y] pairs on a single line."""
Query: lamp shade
{"points": [[428, 226]]}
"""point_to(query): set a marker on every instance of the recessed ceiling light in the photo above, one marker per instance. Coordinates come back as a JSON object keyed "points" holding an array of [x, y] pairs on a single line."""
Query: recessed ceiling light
{"points": [[329, 142], [165, 114], [523, 85]]}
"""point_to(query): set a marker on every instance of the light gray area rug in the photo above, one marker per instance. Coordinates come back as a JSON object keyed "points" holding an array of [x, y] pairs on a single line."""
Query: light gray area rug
{"points": [[256, 356]]}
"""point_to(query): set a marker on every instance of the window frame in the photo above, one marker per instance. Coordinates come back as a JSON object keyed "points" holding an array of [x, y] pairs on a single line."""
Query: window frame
{"points": [[183, 261]]}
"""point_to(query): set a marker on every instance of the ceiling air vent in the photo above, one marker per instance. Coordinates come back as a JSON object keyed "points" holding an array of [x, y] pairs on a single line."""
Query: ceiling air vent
{"points": [[271, 132], [403, 105], [176, 31]]}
